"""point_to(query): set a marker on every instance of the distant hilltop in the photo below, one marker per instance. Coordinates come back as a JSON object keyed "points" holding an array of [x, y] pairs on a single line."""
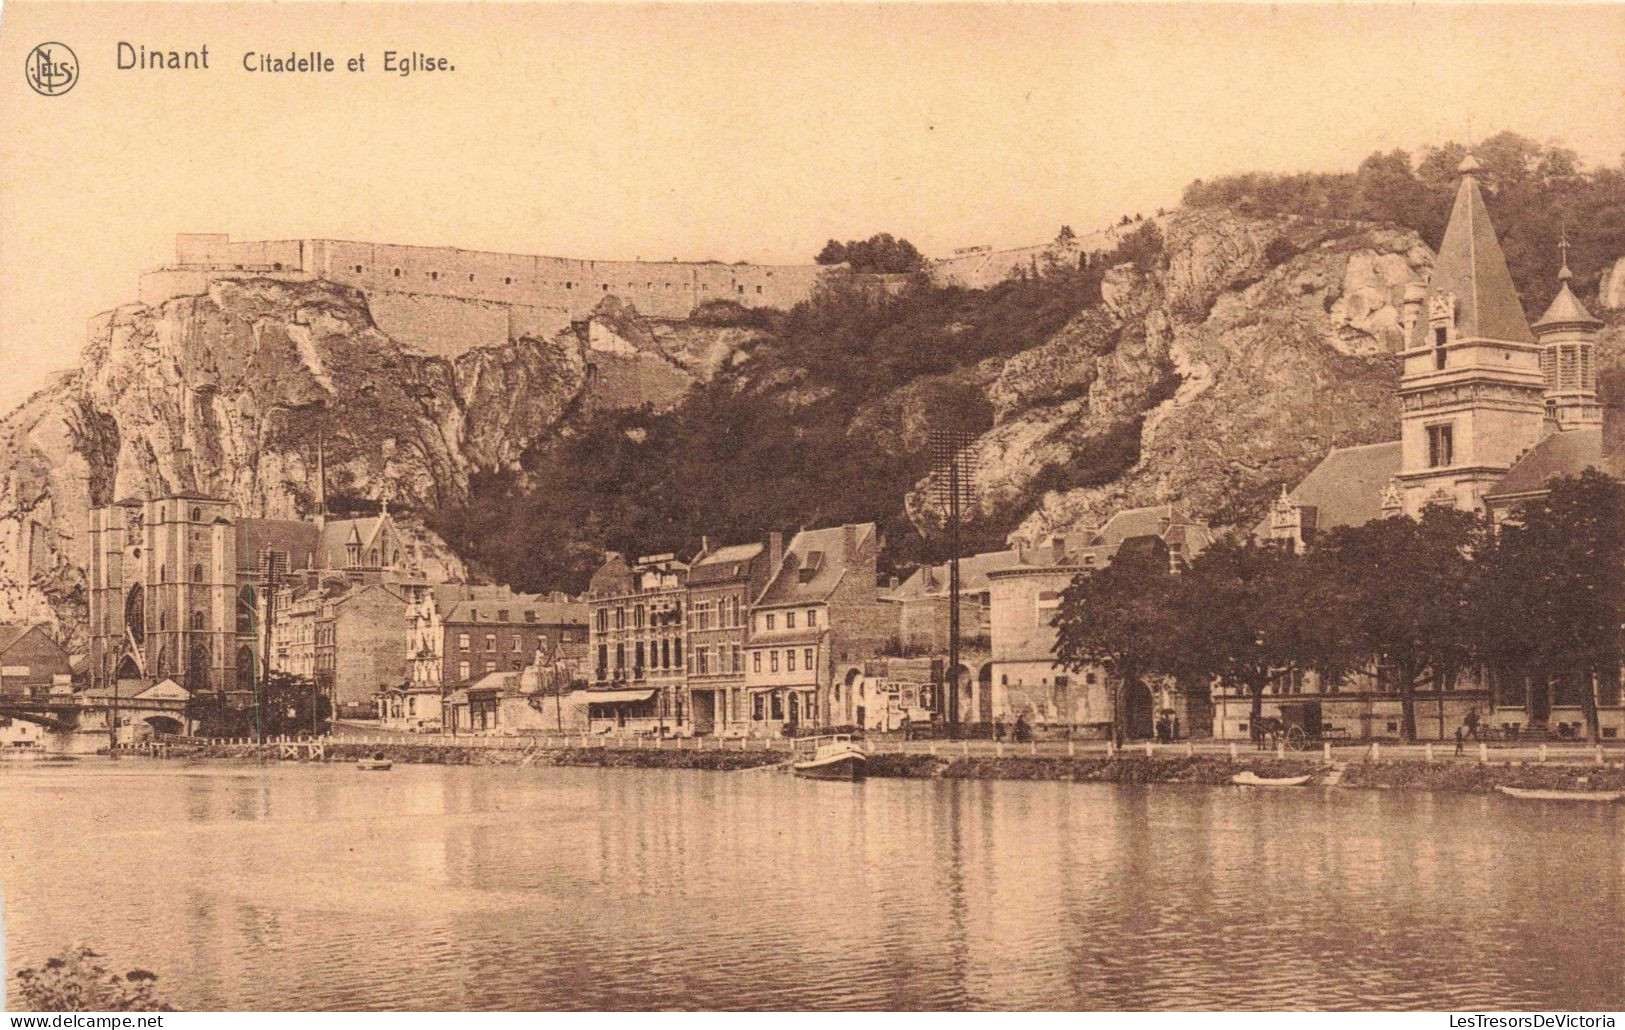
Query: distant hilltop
{"points": [[447, 300]]}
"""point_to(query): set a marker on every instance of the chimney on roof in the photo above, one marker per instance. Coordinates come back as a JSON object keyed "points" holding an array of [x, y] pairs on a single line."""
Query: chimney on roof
{"points": [[775, 550]]}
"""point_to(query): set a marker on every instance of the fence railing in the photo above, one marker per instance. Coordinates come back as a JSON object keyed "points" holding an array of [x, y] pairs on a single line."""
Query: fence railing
{"points": [[1353, 751]]}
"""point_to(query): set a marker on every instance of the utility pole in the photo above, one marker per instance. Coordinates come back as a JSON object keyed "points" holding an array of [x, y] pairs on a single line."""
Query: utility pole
{"points": [[953, 476]]}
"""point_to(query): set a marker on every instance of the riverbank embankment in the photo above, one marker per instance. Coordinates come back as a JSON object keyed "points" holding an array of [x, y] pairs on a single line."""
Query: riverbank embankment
{"points": [[1575, 771]]}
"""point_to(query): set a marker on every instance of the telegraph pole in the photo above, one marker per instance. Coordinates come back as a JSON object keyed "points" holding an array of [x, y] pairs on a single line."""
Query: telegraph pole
{"points": [[953, 474]]}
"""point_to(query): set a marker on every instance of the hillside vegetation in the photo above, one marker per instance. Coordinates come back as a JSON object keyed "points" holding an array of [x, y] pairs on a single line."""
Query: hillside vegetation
{"points": [[1536, 193]]}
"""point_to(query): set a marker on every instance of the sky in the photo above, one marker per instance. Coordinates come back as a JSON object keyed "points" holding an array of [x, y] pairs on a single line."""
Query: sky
{"points": [[701, 131]]}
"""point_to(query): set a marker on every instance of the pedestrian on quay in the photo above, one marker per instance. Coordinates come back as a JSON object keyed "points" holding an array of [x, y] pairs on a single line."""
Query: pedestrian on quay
{"points": [[1461, 738], [1021, 732], [1472, 722], [1176, 729], [998, 728]]}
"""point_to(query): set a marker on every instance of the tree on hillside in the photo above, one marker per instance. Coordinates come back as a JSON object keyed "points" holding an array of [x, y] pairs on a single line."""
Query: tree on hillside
{"points": [[880, 253], [1558, 594], [1119, 617], [1246, 612], [1402, 590]]}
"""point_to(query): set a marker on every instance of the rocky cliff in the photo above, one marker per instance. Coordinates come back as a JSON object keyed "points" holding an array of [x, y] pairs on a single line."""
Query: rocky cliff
{"points": [[1208, 376], [228, 392]]}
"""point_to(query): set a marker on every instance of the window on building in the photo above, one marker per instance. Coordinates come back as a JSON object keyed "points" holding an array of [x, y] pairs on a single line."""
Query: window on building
{"points": [[462, 671], [491, 666], [758, 706], [676, 653], [756, 661], [603, 620], [530, 615], [773, 660], [490, 641], [637, 659], [396, 272], [358, 269], [518, 644], [807, 657], [603, 661], [637, 617], [790, 660], [462, 641], [778, 705], [812, 618], [197, 620], [502, 615], [197, 573], [1441, 446], [789, 620], [770, 621], [620, 657], [507, 280]]}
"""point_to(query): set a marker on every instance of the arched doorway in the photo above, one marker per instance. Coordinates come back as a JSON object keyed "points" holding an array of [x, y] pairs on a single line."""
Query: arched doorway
{"points": [[165, 724], [1138, 716]]}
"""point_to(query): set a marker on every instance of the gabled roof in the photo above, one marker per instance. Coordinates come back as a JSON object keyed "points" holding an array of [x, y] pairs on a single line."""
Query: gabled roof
{"points": [[10, 634], [612, 579], [789, 586], [1560, 454], [292, 537], [1472, 267], [1345, 489], [723, 564], [932, 580]]}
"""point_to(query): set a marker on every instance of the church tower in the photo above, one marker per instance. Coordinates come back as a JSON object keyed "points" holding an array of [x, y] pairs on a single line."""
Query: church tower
{"points": [[1568, 340], [1472, 394]]}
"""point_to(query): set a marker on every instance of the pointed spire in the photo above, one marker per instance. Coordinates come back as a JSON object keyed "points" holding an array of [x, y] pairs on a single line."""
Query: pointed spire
{"points": [[1471, 273], [1565, 310]]}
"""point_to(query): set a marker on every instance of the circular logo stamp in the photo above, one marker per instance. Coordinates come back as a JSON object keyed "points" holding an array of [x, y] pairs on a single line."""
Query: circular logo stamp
{"points": [[52, 69]]}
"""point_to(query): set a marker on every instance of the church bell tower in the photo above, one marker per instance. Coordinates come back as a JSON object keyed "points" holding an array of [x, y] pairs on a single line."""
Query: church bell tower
{"points": [[1472, 393]]}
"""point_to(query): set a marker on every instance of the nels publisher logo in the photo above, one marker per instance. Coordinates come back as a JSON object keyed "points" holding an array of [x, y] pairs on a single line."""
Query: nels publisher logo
{"points": [[52, 69]]}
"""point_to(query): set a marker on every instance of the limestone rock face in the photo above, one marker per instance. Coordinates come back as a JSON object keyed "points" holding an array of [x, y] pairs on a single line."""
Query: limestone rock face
{"points": [[1231, 368], [1611, 290], [228, 392]]}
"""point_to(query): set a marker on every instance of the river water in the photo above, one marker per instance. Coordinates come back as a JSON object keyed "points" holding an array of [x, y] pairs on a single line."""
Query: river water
{"points": [[438, 887]]}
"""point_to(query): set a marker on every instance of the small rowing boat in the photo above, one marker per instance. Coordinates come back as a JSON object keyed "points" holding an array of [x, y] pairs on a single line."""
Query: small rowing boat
{"points": [[840, 759], [1248, 778], [377, 763], [1529, 794]]}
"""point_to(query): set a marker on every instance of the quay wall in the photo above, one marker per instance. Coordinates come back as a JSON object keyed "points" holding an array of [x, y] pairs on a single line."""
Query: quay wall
{"points": [[1575, 769]]}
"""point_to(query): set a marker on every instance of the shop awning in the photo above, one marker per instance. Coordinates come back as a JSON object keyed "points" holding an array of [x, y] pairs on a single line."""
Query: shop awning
{"points": [[614, 697]]}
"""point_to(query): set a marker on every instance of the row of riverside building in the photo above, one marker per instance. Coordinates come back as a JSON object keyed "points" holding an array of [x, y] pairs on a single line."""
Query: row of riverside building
{"points": [[758, 638]]}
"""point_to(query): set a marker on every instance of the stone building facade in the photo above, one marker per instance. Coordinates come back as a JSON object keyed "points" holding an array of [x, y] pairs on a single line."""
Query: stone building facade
{"points": [[638, 636], [722, 584], [32, 664]]}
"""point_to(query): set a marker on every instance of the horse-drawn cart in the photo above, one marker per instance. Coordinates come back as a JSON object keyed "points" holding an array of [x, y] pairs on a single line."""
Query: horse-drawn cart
{"points": [[1298, 726]]}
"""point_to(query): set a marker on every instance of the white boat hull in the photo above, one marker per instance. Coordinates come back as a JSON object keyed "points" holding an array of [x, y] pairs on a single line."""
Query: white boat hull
{"points": [[1529, 794], [1249, 778]]}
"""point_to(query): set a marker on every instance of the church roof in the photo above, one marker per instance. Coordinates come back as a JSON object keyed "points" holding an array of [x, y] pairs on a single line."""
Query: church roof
{"points": [[1566, 309], [1560, 454], [1346, 488], [1472, 267]]}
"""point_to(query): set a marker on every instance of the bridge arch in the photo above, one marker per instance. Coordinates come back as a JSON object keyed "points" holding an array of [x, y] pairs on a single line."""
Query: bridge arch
{"points": [[165, 724]]}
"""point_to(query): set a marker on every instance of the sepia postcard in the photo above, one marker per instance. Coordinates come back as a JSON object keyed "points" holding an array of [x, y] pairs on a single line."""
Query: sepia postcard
{"points": [[812, 507]]}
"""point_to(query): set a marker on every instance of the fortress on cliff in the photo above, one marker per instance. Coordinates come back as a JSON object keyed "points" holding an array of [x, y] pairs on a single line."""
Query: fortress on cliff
{"points": [[445, 300]]}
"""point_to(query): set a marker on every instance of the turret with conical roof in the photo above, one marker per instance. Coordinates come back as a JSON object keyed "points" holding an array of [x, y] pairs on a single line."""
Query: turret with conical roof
{"points": [[1472, 394], [1568, 337]]}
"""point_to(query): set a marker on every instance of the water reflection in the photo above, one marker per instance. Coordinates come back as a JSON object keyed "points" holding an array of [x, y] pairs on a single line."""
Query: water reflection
{"points": [[311, 887]]}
